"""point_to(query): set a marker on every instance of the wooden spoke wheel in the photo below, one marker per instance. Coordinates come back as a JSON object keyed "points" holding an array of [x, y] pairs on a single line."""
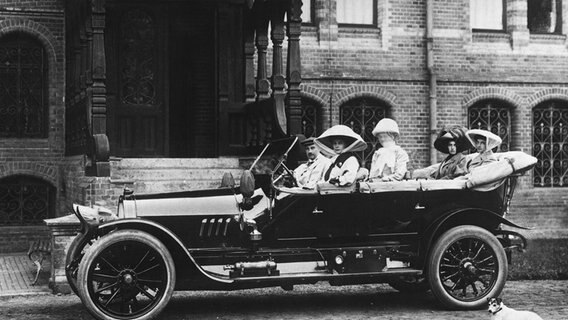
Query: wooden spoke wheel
{"points": [[127, 274], [466, 266]]}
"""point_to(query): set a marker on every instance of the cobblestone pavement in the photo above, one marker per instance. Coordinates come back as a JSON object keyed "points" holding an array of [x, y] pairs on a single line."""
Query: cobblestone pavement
{"points": [[548, 298]]}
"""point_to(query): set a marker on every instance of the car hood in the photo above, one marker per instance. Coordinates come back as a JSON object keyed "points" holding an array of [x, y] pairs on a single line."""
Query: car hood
{"points": [[194, 203]]}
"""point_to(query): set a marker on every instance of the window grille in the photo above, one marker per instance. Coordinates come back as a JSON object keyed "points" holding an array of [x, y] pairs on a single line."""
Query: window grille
{"points": [[550, 144], [25, 201], [311, 119], [23, 88], [362, 115], [492, 116]]}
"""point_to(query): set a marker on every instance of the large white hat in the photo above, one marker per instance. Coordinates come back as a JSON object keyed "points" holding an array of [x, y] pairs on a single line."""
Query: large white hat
{"points": [[353, 141], [386, 125], [492, 141]]}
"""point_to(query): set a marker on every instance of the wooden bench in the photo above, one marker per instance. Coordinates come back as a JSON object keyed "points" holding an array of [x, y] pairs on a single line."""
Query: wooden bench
{"points": [[37, 252]]}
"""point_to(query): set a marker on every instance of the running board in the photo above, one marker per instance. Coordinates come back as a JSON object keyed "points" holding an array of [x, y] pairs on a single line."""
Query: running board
{"points": [[320, 276]]}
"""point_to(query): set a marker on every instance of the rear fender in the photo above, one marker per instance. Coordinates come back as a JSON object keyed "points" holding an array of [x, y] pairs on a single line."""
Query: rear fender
{"points": [[186, 266], [464, 216]]}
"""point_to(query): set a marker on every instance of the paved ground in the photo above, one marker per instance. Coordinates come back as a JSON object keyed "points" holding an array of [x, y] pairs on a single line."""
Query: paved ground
{"points": [[17, 272], [19, 300], [548, 298]]}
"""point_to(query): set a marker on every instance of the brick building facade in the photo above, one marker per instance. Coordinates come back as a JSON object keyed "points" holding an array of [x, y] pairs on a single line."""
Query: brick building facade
{"points": [[497, 64], [509, 76], [30, 159]]}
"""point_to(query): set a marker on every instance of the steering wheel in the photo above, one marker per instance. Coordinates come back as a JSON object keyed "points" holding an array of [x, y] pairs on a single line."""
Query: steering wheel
{"points": [[288, 173]]}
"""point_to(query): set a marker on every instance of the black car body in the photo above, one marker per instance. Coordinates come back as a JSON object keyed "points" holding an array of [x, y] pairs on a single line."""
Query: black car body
{"points": [[417, 235]]}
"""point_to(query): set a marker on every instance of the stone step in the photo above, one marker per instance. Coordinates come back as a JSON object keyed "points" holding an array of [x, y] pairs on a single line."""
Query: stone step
{"points": [[174, 186], [139, 170], [198, 163], [188, 174]]}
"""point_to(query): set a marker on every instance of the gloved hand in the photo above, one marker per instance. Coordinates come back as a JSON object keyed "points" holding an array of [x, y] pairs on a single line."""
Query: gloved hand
{"points": [[334, 181], [288, 182]]}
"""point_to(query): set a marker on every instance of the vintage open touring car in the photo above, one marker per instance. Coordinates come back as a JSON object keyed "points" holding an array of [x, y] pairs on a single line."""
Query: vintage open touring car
{"points": [[416, 234]]}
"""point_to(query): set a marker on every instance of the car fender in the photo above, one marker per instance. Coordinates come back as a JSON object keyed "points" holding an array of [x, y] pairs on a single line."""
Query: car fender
{"points": [[183, 259], [473, 216]]}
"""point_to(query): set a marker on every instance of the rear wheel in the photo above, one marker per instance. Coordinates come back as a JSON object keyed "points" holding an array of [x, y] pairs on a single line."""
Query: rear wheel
{"points": [[467, 265], [127, 274]]}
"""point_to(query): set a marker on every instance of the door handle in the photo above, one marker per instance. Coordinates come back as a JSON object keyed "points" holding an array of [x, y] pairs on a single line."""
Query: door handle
{"points": [[317, 211], [419, 207]]}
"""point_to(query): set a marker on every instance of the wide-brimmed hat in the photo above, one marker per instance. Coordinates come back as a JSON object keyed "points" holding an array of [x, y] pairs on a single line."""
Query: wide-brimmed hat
{"points": [[386, 125], [492, 140], [455, 133], [353, 141]]}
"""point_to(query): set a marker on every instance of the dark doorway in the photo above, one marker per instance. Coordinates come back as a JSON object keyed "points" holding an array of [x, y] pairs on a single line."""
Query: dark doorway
{"points": [[161, 62], [192, 107]]}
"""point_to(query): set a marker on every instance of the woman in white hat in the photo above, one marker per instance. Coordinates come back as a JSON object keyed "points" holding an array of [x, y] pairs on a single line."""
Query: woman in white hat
{"points": [[484, 141], [452, 142], [339, 142], [389, 161]]}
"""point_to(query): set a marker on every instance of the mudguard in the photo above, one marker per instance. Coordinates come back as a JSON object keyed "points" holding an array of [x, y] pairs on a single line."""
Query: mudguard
{"points": [[474, 216], [182, 257]]}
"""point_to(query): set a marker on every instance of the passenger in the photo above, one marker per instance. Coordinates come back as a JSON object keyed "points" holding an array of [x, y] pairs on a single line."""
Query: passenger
{"points": [[340, 142], [389, 161], [308, 174], [452, 142], [484, 141]]}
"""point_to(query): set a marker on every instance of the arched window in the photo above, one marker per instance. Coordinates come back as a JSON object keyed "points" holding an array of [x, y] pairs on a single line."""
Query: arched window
{"points": [[23, 87], [311, 118], [25, 201], [550, 144], [362, 115], [494, 116]]}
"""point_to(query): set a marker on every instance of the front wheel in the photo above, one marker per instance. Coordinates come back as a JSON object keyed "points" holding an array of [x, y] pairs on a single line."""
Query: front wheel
{"points": [[467, 265], [127, 274], [72, 264]]}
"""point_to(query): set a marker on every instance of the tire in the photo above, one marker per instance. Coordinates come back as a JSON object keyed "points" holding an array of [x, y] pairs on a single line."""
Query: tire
{"points": [[71, 267], [71, 271], [466, 266], [110, 275], [410, 284]]}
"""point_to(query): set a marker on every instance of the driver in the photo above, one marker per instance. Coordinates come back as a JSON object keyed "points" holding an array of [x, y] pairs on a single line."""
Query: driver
{"points": [[308, 174], [340, 143]]}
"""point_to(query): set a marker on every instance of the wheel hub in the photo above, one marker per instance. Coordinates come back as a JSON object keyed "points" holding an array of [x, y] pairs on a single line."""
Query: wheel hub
{"points": [[128, 277], [468, 268]]}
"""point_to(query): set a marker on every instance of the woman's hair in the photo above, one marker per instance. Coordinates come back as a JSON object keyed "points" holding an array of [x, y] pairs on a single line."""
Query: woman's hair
{"points": [[393, 135], [478, 136]]}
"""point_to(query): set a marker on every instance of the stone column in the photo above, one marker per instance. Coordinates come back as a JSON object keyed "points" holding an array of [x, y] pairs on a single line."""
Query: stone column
{"points": [[326, 20], [63, 230], [98, 99], [517, 23], [277, 11], [261, 28], [294, 67]]}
